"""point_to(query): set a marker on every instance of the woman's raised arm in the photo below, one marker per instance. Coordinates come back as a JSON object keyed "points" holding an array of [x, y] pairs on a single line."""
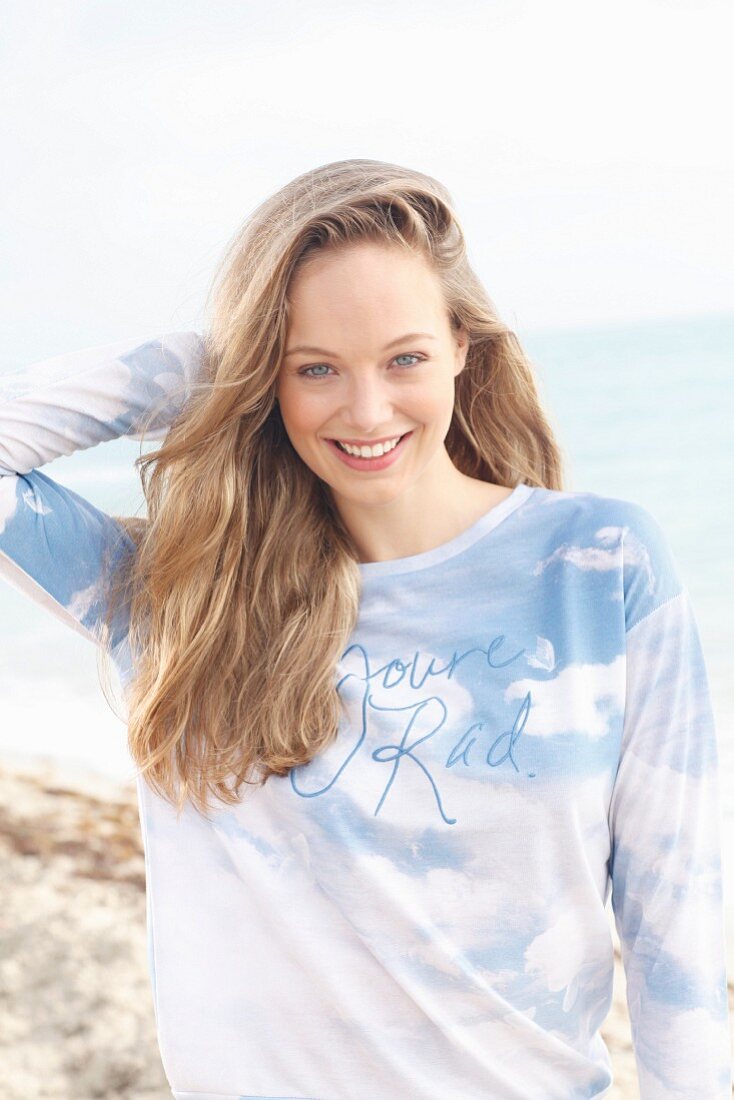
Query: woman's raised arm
{"points": [[53, 542], [74, 401]]}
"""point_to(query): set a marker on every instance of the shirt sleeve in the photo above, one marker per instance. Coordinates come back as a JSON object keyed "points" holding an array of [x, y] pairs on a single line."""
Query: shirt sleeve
{"points": [[55, 546], [665, 826]]}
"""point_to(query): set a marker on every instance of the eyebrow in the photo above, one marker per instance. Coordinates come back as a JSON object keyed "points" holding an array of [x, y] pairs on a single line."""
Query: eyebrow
{"points": [[333, 355]]}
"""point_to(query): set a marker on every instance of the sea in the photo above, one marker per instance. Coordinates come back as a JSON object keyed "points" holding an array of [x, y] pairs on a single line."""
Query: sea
{"points": [[641, 411]]}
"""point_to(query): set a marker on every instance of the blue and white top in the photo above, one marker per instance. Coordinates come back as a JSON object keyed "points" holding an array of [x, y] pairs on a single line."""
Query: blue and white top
{"points": [[419, 912]]}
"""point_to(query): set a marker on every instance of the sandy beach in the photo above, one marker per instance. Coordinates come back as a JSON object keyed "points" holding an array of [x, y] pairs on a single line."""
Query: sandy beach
{"points": [[76, 1013]]}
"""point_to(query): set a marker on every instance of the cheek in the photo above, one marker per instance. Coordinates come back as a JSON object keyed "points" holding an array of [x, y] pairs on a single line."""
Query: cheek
{"points": [[433, 403], [301, 413]]}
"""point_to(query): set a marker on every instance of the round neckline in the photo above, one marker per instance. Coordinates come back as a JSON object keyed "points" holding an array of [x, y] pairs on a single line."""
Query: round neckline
{"points": [[460, 542]]}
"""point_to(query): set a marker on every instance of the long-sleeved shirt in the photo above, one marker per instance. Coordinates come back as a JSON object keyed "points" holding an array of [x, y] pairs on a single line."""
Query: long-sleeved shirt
{"points": [[419, 912]]}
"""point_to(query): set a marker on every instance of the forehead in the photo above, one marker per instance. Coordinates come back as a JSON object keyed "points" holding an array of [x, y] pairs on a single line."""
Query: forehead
{"points": [[367, 288]]}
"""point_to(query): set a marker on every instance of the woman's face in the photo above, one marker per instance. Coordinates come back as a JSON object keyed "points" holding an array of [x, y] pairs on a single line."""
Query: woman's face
{"points": [[381, 361]]}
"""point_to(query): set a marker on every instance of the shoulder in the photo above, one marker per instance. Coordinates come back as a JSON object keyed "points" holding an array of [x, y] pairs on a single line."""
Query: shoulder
{"points": [[615, 533]]}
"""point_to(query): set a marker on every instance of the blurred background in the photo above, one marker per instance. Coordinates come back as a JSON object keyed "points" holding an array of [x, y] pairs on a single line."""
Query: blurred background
{"points": [[584, 145]]}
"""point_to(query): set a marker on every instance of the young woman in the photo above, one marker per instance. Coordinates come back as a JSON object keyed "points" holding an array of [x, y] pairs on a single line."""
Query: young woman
{"points": [[404, 710]]}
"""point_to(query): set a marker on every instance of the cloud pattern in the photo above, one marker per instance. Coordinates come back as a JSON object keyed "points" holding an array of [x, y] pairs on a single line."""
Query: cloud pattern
{"points": [[419, 912]]}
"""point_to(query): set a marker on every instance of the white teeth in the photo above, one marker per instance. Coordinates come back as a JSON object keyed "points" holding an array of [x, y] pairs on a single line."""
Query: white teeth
{"points": [[370, 452]]}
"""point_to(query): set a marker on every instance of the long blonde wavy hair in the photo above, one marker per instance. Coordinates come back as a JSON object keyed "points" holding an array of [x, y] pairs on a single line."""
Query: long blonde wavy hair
{"points": [[244, 585]]}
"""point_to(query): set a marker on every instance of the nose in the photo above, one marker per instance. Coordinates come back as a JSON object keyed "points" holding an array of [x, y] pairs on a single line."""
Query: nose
{"points": [[367, 405]]}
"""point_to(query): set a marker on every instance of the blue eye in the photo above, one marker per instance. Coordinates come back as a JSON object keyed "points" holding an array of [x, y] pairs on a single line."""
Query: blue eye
{"points": [[305, 371]]}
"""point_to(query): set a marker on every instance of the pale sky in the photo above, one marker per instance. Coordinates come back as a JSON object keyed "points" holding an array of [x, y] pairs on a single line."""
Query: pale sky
{"points": [[586, 146]]}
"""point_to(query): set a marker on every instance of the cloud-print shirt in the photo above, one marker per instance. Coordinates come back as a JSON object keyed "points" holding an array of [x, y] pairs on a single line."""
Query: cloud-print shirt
{"points": [[419, 913]]}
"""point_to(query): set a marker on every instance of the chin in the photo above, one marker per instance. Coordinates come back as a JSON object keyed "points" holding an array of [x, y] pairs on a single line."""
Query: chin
{"points": [[370, 495]]}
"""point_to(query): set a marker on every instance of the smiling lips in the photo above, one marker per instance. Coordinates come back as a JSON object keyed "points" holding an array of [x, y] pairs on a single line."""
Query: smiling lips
{"points": [[370, 462], [373, 450]]}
